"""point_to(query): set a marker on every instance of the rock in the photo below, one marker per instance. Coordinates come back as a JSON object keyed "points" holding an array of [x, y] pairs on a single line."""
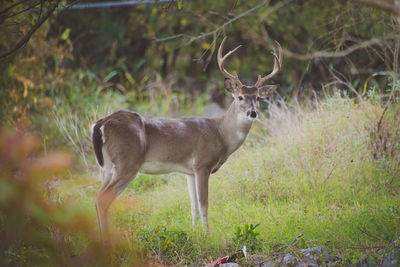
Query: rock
{"points": [[389, 261], [318, 253], [289, 259], [312, 257], [230, 264], [315, 256]]}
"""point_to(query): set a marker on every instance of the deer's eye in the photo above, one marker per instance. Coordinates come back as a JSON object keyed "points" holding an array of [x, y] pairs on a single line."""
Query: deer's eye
{"points": [[240, 98]]}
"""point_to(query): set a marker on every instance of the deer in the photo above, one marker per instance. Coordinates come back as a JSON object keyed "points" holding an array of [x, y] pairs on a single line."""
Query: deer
{"points": [[127, 143]]}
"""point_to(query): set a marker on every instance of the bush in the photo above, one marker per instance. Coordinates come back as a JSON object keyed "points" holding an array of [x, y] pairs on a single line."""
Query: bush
{"points": [[247, 236], [171, 246]]}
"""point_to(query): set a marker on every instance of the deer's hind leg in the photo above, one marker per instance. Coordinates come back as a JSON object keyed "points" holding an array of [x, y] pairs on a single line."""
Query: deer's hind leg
{"points": [[126, 159], [106, 175], [109, 192]]}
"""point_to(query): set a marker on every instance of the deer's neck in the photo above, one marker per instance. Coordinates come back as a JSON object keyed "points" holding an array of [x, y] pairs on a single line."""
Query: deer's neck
{"points": [[234, 127]]}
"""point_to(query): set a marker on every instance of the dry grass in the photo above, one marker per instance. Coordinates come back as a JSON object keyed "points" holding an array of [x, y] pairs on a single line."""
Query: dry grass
{"points": [[309, 170]]}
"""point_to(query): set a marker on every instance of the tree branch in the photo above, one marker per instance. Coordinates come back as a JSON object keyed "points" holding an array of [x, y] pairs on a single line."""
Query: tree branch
{"points": [[12, 6], [191, 40], [22, 11], [342, 53], [222, 27], [29, 34]]}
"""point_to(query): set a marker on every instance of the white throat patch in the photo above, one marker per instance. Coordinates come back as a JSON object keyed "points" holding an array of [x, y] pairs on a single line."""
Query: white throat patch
{"points": [[243, 119]]}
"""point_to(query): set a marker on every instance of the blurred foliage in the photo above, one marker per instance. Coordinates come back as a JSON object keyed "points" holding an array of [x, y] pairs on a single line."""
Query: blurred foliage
{"points": [[83, 54], [36, 227], [126, 38]]}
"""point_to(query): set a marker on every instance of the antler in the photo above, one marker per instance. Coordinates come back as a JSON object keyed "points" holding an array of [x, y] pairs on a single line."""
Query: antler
{"points": [[277, 67], [221, 61]]}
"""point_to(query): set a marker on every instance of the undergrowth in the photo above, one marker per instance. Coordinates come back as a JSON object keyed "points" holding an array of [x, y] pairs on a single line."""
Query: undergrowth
{"points": [[319, 170]]}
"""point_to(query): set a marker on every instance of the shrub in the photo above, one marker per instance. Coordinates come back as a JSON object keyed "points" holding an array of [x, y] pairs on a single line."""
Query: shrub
{"points": [[247, 236], [167, 245]]}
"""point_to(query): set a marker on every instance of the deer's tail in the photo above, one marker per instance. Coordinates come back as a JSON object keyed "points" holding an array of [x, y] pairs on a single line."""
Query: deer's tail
{"points": [[97, 140]]}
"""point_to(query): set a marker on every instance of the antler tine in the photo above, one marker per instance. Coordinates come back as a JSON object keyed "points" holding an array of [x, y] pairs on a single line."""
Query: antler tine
{"points": [[221, 61], [277, 66]]}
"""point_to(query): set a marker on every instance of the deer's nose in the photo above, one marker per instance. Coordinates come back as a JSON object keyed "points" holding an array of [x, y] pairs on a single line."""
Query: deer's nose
{"points": [[252, 114]]}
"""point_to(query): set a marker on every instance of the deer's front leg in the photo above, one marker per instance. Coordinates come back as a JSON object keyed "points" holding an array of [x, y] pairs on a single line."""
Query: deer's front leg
{"points": [[202, 177], [193, 198]]}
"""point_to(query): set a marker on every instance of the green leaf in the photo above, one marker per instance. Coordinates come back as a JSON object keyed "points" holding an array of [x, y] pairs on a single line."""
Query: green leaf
{"points": [[65, 35], [110, 75], [129, 77]]}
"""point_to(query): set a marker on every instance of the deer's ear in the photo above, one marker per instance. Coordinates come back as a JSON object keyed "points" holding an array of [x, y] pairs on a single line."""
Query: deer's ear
{"points": [[266, 90], [230, 85]]}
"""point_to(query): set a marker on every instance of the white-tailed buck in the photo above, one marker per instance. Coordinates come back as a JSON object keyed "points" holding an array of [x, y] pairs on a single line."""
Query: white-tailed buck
{"points": [[126, 143]]}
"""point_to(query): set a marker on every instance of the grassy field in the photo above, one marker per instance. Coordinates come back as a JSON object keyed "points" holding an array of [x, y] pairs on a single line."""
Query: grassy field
{"points": [[325, 170]]}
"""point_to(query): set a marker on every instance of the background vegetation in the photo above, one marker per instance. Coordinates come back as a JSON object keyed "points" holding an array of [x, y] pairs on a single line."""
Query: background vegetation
{"points": [[323, 161]]}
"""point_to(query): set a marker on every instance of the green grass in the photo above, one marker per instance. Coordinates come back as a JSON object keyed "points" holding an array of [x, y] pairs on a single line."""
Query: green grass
{"points": [[303, 170]]}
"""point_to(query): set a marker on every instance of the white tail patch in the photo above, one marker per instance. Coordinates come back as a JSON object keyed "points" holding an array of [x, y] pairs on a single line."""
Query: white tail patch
{"points": [[102, 134], [92, 128]]}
